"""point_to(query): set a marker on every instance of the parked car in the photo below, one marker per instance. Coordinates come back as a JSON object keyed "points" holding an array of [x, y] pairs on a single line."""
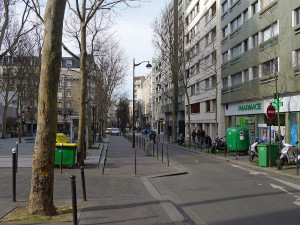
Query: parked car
{"points": [[107, 130], [115, 131]]}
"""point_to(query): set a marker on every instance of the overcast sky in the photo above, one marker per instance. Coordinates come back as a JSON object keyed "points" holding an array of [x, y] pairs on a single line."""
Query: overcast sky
{"points": [[135, 34]]}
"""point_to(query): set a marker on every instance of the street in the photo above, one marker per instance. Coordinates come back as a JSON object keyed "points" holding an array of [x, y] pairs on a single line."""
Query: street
{"points": [[215, 192]]}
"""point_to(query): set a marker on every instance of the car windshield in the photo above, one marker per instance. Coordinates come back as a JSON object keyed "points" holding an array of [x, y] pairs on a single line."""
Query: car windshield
{"points": [[115, 129]]}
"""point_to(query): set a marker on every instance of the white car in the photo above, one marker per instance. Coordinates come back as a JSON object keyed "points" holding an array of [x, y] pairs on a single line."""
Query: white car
{"points": [[107, 130], [115, 131]]}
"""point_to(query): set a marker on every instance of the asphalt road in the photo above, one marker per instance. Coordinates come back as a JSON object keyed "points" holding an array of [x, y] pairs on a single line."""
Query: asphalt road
{"points": [[216, 193]]}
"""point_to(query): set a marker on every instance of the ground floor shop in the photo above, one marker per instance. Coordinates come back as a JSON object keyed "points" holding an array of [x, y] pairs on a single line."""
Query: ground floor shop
{"points": [[252, 114]]}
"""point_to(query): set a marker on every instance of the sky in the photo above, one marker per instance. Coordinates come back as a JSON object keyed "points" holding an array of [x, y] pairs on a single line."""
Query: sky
{"points": [[135, 34]]}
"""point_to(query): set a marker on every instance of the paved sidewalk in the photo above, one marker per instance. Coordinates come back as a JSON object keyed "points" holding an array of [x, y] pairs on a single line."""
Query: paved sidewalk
{"points": [[117, 197]]}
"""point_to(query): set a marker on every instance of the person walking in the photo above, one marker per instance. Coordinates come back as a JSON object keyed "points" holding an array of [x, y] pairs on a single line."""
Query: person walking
{"points": [[194, 135], [199, 137], [202, 137]]}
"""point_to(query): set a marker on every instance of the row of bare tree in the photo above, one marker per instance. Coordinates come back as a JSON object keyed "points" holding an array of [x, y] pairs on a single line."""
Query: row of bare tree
{"points": [[88, 30]]}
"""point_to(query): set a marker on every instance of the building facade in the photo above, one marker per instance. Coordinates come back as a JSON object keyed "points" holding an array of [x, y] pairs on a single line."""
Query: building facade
{"points": [[260, 59], [202, 44]]}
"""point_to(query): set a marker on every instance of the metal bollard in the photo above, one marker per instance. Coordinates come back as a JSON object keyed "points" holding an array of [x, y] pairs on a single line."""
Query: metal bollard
{"points": [[61, 157], [83, 183], [14, 166], [168, 155], [135, 162], [162, 152], [153, 148], [74, 199], [17, 161], [297, 162], [157, 150]]}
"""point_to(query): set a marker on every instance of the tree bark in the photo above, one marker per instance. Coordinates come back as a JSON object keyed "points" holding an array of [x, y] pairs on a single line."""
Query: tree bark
{"points": [[41, 193]]}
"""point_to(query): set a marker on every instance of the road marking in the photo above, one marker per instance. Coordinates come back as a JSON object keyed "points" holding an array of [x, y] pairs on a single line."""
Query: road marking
{"points": [[280, 188], [252, 172]]}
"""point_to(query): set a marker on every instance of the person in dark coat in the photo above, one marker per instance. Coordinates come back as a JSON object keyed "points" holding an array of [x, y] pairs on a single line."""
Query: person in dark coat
{"points": [[202, 137], [199, 136], [208, 141], [194, 135]]}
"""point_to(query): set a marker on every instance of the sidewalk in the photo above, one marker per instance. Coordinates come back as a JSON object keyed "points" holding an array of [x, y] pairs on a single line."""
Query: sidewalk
{"points": [[117, 197]]}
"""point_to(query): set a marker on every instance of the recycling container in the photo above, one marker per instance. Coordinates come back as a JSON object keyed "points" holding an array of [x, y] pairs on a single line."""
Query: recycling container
{"points": [[237, 138], [69, 151], [263, 154]]}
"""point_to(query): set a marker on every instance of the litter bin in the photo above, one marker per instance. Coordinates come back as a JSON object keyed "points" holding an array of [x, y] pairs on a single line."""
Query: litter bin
{"points": [[237, 138], [263, 154], [69, 151]]}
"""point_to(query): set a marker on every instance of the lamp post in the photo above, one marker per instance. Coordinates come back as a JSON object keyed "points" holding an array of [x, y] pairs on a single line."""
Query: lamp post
{"points": [[148, 66]]}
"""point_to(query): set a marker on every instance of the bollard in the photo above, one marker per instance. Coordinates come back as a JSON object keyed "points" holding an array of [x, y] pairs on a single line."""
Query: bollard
{"points": [[74, 199], [162, 152], [61, 157], [153, 149], [236, 154], [17, 161], [135, 162], [157, 150], [168, 155], [297, 162], [83, 183], [14, 166]]}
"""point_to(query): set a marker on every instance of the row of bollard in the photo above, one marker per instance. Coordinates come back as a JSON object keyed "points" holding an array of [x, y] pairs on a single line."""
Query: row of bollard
{"points": [[15, 154]]}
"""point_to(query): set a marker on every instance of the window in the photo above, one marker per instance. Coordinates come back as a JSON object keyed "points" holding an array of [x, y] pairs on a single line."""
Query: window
{"points": [[195, 108], [224, 7], [59, 95], [68, 83], [225, 31], [236, 23], [255, 40], [270, 31], [207, 103], [206, 39], [198, 87], [233, 2], [207, 86], [255, 72], [246, 45], [297, 15], [245, 14], [246, 75], [225, 57], [236, 78], [192, 89], [60, 84], [69, 105], [69, 62], [207, 17], [69, 93], [270, 67], [255, 8], [225, 82], [264, 3], [297, 57], [213, 34], [236, 51], [214, 81]]}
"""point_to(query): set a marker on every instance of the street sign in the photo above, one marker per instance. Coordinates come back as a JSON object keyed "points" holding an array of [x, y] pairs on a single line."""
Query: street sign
{"points": [[271, 112]]}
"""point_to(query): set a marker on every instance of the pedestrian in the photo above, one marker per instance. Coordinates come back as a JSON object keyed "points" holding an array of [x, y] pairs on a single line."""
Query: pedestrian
{"points": [[208, 141], [202, 137], [199, 136], [194, 135], [153, 136]]}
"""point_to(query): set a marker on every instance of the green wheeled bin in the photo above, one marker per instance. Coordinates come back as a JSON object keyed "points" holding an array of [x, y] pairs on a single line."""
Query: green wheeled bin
{"points": [[238, 139], [66, 150], [263, 154]]}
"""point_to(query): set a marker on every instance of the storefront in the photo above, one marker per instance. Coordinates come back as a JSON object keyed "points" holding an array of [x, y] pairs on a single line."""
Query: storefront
{"points": [[252, 114]]}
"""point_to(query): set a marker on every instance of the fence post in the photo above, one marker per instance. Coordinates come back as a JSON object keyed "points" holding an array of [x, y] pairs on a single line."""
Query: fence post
{"points": [[83, 183]]}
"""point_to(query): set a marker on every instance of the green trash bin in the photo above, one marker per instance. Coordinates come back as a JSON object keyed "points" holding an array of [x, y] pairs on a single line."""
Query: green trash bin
{"points": [[237, 138], [263, 154], [69, 154]]}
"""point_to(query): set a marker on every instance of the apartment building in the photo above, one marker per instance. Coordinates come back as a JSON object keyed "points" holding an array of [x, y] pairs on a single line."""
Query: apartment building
{"points": [[163, 97], [260, 56], [202, 44], [68, 97], [147, 99]]}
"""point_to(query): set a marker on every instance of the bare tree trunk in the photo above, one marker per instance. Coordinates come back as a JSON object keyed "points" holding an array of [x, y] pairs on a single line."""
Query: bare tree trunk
{"points": [[4, 121], [41, 193], [83, 94]]}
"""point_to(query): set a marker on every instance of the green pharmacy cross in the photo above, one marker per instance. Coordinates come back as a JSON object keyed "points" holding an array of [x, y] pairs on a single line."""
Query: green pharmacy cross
{"points": [[275, 103]]}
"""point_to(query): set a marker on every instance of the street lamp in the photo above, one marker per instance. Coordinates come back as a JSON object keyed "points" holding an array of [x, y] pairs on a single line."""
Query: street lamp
{"points": [[148, 66]]}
